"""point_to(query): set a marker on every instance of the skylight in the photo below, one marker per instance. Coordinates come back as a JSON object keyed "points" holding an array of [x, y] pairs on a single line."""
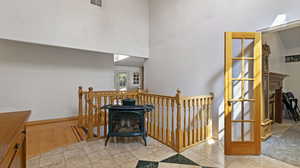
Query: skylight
{"points": [[119, 57], [280, 19]]}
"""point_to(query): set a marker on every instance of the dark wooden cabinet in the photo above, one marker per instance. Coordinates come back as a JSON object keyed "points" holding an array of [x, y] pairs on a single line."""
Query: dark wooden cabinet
{"points": [[276, 85], [13, 139]]}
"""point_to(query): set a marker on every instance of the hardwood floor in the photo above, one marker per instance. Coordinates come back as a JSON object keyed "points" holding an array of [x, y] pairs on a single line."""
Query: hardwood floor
{"points": [[46, 137]]}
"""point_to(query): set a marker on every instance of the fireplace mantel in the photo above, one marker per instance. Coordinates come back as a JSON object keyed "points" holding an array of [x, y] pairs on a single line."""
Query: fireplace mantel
{"points": [[276, 80]]}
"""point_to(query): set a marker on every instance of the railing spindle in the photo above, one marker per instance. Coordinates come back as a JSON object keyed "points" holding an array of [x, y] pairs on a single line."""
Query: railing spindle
{"points": [[189, 123], [153, 117], [194, 120], [163, 120], [202, 119], [90, 113], [173, 116], [184, 124], [168, 119], [86, 110], [198, 120], [99, 115], [210, 114], [80, 108], [105, 117], [158, 118]]}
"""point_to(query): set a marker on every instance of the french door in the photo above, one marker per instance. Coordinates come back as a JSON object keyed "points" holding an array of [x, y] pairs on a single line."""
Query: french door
{"points": [[243, 93]]}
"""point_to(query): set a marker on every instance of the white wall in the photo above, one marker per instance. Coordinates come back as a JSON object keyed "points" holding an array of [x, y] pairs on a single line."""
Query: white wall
{"points": [[278, 52], [120, 26], [45, 79], [187, 43], [291, 41], [292, 82]]}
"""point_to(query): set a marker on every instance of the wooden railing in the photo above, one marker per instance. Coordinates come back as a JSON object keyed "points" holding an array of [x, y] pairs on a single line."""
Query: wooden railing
{"points": [[177, 121]]}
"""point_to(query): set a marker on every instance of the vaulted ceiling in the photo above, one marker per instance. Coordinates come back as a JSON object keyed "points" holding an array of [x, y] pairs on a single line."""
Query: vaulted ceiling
{"points": [[291, 38]]}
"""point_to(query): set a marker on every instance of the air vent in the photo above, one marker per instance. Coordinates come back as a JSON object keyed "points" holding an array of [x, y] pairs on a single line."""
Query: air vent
{"points": [[97, 2]]}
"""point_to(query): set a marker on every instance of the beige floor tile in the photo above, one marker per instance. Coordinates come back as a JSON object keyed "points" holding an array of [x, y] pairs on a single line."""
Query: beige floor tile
{"points": [[126, 155], [34, 162], [168, 165], [46, 161]]}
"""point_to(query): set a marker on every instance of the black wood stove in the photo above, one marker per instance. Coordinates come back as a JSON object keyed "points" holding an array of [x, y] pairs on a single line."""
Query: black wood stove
{"points": [[127, 120]]}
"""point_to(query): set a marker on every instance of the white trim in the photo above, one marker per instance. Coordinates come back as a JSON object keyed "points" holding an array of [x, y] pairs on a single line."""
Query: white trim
{"points": [[288, 25]]}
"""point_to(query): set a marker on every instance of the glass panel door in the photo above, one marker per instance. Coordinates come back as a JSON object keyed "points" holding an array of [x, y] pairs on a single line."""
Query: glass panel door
{"points": [[121, 81], [242, 93]]}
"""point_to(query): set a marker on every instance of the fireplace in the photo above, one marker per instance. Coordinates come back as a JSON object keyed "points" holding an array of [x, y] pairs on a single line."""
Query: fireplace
{"points": [[127, 120]]}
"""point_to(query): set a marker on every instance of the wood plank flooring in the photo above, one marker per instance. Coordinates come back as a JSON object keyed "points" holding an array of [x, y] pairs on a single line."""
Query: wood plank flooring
{"points": [[46, 137]]}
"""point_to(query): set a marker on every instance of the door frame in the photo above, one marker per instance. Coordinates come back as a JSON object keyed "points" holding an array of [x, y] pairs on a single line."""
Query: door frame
{"points": [[246, 147]]}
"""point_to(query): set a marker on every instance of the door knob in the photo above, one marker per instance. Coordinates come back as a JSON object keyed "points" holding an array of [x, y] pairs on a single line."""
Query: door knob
{"points": [[229, 102]]}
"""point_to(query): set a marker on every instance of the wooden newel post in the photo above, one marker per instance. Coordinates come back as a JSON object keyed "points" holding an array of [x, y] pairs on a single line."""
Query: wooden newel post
{"points": [[80, 107], [179, 136], [139, 90], [138, 96], [210, 114], [90, 112]]}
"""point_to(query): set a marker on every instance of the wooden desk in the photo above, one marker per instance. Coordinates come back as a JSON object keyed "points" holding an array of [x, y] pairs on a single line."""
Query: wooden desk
{"points": [[13, 139]]}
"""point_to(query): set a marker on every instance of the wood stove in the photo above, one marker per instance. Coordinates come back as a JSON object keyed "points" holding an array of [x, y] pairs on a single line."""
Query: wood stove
{"points": [[127, 120]]}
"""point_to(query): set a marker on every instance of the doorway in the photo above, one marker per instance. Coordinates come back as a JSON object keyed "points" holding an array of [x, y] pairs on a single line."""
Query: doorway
{"points": [[282, 141]]}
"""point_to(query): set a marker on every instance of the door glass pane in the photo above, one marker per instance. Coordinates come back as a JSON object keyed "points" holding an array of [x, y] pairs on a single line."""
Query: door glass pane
{"points": [[248, 131], [236, 131], [249, 69], [236, 69], [248, 110], [248, 89], [122, 81], [236, 111], [249, 47], [236, 89], [236, 48]]}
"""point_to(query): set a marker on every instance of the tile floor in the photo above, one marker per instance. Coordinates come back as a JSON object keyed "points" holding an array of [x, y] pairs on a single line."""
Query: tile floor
{"points": [[133, 154], [284, 144]]}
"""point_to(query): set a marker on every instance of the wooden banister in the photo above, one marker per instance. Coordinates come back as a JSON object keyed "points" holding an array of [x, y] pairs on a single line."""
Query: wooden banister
{"points": [[178, 121]]}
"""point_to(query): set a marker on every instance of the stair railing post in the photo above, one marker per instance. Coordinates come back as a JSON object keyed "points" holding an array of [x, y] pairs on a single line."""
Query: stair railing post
{"points": [[139, 98], [80, 107], [90, 112], [210, 115], [179, 137]]}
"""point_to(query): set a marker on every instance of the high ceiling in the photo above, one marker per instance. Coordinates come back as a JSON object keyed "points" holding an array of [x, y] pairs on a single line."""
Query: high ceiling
{"points": [[291, 37]]}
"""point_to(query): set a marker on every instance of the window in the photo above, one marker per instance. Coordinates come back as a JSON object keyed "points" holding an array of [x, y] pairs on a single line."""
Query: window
{"points": [[136, 78]]}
